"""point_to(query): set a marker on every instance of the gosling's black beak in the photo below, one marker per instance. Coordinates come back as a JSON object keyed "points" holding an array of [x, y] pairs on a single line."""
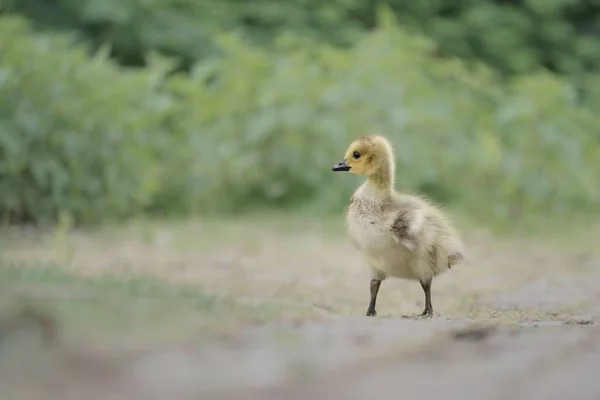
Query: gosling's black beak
{"points": [[341, 166]]}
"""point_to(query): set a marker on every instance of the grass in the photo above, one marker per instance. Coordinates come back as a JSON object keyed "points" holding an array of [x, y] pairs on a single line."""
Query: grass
{"points": [[158, 280], [136, 309]]}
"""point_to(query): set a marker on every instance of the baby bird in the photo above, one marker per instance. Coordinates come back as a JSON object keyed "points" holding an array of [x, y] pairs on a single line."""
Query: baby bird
{"points": [[399, 235]]}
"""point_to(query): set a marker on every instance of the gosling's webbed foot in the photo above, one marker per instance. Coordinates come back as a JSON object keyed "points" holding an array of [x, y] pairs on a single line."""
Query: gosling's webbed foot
{"points": [[425, 314], [371, 313]]}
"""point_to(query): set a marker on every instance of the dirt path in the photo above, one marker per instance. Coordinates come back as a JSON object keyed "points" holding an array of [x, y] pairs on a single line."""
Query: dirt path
{"points": [[360, 358], [527, 363], [349, 357], [517, 322]]}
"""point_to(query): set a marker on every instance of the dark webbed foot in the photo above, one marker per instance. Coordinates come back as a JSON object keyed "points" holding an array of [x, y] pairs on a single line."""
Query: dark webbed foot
{"points": [[428, 311], [371, 313], [426, 314], [423, 315]]}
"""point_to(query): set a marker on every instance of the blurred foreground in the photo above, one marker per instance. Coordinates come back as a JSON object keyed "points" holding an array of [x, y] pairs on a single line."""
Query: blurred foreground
{"points": [[274, 308]]}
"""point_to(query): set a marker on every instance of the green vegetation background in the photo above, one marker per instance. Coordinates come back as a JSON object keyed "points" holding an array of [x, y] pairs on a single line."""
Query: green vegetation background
{"points": [[112, 109]]}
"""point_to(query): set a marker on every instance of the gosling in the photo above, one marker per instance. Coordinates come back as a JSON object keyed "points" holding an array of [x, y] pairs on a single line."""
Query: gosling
{"points": [[399, 235]]}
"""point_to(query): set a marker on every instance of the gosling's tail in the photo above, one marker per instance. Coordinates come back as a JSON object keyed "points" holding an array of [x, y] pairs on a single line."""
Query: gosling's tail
{"points": [[454, 259]]}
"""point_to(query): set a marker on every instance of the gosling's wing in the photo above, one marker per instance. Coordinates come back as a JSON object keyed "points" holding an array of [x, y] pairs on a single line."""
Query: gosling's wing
{"points": [[406, 228], [417, 219]]}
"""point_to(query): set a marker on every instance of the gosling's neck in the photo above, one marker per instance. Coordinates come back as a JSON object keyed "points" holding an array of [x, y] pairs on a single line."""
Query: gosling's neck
{"points": [[382, 181]]}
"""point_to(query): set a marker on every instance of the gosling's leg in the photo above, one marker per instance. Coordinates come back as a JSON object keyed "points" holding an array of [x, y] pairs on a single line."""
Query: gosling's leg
{"points": [[428, 311], [375, 284]]}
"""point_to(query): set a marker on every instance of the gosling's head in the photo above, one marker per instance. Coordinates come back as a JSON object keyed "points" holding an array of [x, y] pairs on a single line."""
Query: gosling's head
{"points": [[367, 156]]}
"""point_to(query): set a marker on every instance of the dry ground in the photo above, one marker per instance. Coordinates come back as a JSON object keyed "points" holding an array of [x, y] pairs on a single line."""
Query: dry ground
{"points": [[274, 308]]}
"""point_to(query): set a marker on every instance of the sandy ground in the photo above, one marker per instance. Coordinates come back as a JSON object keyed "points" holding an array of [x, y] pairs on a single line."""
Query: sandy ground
{"points": [[515, 321]]}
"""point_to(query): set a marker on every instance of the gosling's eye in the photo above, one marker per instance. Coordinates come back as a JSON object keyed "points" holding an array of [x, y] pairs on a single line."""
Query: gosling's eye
{"points": [[356, 155]]}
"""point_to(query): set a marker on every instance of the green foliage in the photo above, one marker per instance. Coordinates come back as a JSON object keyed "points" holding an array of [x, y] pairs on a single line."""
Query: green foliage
{"points": [[78, 135], [274, 127], [516, 37], [184, 28], [252, 128], [512, 36]]}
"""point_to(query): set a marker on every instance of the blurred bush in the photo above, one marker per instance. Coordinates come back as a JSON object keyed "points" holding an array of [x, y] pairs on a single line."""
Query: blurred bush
{"points": [[512, 36], [184, 28], [253, 128], [77, 135], [275, 123]]}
